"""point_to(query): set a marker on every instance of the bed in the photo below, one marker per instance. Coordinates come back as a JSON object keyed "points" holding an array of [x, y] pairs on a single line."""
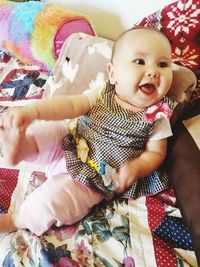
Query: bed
{"points": [[151, 231]]}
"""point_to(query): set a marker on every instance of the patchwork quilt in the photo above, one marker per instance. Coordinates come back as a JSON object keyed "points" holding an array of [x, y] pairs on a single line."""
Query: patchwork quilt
{"points": [[148, 231]]}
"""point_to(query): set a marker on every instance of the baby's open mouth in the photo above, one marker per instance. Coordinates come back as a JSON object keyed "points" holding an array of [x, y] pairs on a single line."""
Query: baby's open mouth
{"points": [[147, 88]]}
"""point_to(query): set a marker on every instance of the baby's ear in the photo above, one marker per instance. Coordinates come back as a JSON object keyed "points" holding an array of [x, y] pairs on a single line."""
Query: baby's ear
{"points": [[110, 70]]}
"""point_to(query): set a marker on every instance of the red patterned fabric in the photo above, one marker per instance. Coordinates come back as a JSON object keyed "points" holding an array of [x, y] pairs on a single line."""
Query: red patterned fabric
{"points": [[8, 182], [179, 21], [17, 82], [164, 253]]}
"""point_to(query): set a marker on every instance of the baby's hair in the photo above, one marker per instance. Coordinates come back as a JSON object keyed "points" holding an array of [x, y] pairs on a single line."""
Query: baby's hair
{"points": [[122, 35]]}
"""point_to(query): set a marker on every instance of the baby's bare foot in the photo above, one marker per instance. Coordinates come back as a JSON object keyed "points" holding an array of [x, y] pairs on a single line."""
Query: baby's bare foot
{"points": [[12, 142]]}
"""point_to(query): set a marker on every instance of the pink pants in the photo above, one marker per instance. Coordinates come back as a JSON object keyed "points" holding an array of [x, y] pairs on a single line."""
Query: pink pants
{"points": [[60, 200]]}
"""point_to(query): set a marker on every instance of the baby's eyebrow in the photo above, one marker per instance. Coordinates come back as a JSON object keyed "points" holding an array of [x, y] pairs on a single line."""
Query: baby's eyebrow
{"points": [[165, 57], [139, 54]]}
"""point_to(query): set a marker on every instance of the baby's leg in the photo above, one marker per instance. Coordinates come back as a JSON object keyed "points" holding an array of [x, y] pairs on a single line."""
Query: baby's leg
{"points": [[59, 200], [17, 144], [41, 143], [48, 136]]}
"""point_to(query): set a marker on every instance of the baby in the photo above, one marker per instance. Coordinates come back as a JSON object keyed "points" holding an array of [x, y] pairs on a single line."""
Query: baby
{"points": [[115, 146]]}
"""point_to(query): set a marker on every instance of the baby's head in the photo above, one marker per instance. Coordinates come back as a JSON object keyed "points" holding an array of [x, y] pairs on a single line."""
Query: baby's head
{"points": [[141, 67]]}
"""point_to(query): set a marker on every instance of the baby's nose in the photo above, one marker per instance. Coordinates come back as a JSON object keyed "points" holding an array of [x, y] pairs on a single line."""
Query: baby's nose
{"points": [[152, 72]]}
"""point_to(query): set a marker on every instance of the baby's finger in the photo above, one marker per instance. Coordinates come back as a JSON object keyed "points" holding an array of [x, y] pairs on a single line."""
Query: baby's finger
{"points": [[1, 121], [6, 120], [119, 186]]}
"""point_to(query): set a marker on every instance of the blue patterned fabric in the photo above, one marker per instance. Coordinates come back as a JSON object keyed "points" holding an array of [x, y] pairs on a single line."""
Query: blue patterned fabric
{"points": [[22, 86], [174, 232]]}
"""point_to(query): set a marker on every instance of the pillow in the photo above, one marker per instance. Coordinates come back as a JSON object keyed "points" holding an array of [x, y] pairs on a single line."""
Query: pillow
{"points": [[179, 21], [82, 65], [35, 31]]}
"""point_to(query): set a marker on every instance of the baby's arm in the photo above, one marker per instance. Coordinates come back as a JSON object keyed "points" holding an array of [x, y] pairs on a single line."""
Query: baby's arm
{"points": [[17, 143], [62, 107], [148, 161], [56, 108]]}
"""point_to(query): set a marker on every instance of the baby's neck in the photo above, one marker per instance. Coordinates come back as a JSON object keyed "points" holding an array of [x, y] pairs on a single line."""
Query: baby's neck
{"points": [[127, 105]]}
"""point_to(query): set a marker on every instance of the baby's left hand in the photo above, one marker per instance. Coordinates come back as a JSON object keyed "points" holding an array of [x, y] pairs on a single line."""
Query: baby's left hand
{"points": [[126, 176]]}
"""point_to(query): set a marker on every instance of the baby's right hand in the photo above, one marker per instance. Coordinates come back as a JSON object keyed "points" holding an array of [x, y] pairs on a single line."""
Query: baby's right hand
{"points": [[16, 118]]}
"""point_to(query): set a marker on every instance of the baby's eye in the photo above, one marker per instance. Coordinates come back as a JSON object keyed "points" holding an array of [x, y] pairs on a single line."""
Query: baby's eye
{"points": [[139, 61], [163, 64]]}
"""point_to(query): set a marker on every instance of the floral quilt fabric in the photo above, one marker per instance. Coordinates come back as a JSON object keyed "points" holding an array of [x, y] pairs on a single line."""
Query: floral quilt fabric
{"points": [[120, 233]]}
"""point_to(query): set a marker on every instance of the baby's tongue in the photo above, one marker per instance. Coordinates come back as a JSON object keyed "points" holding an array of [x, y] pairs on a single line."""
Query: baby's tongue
{"points": [[147, 88]]}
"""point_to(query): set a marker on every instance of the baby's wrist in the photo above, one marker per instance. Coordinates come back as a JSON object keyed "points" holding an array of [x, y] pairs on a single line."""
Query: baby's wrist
{"points": [[32, 113]]}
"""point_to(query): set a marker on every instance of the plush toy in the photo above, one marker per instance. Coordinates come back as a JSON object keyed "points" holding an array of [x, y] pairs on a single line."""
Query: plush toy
{"points": [[183, 84], [35, 31]]}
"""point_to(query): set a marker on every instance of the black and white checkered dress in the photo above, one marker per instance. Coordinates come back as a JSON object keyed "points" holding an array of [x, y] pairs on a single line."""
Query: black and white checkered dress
{"points": [[113, 135]]}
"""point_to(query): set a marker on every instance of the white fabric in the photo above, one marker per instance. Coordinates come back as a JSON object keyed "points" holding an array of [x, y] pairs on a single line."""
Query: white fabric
{"points": [[162, 129]]}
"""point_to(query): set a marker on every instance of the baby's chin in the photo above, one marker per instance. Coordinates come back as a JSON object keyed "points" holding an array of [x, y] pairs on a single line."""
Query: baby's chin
{"points": [[142, 102], [146, 101], [134, 104]]}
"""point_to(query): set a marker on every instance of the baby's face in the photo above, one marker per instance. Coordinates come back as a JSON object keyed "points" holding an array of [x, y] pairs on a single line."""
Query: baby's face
{"points": [[141, 69]]}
